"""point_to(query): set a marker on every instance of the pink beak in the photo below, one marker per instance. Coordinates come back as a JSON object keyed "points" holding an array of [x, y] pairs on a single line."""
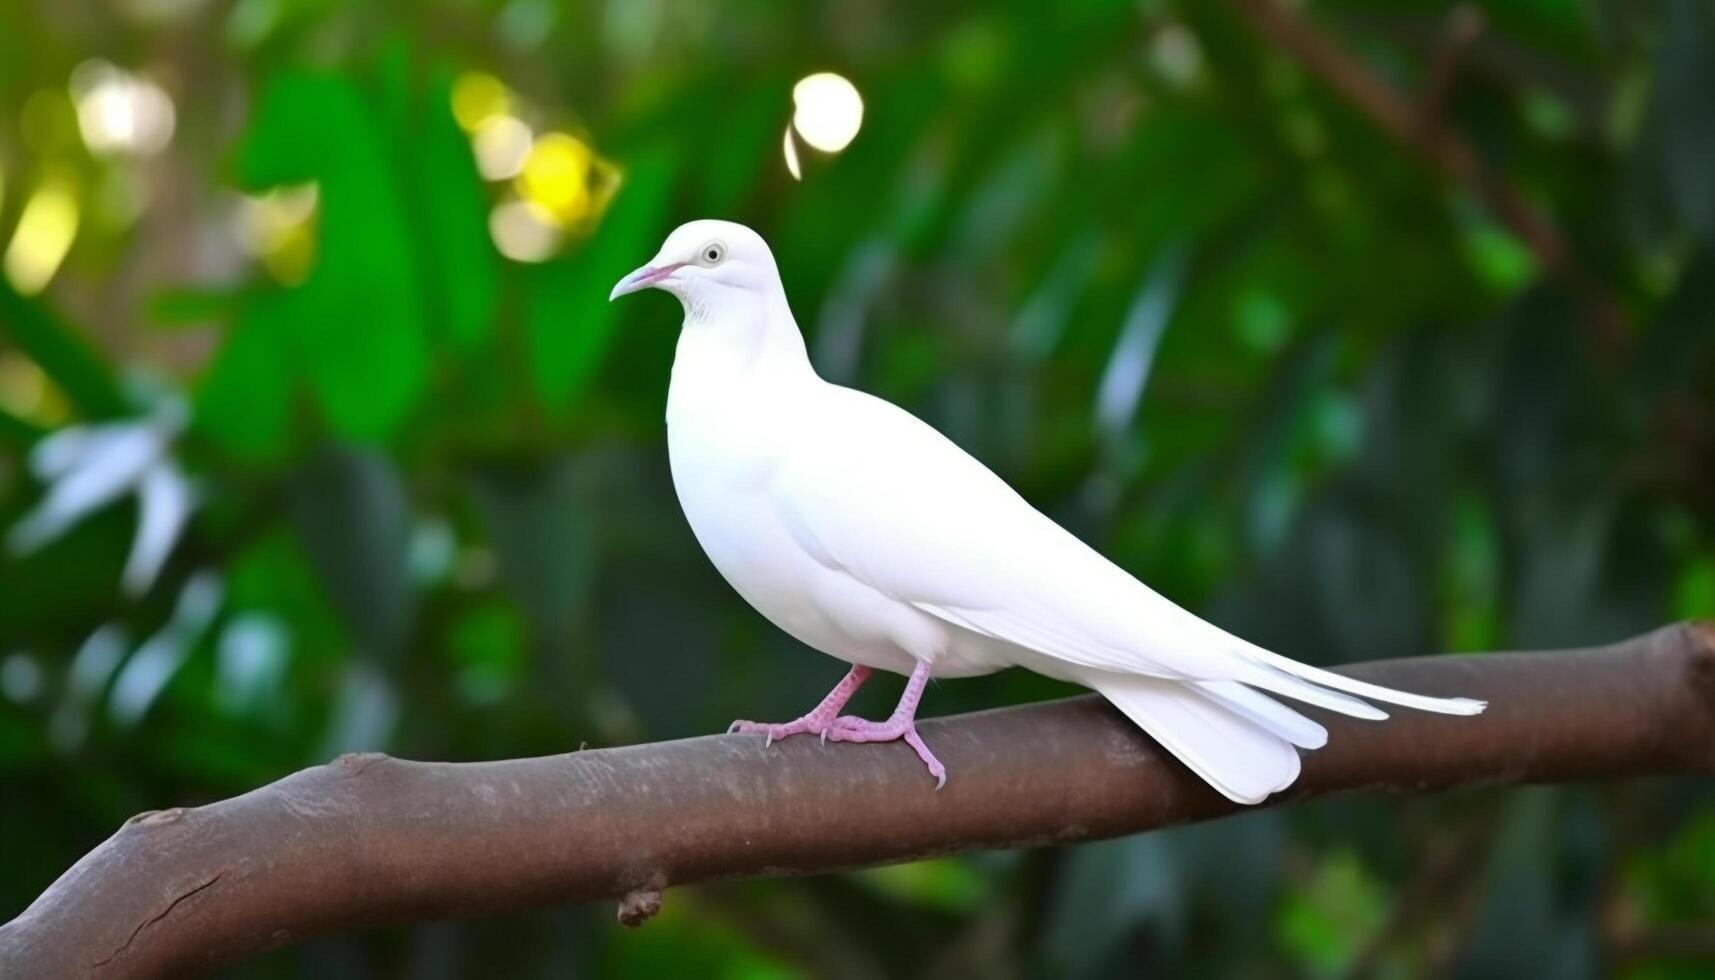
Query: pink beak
{"points": [[643, 278]]}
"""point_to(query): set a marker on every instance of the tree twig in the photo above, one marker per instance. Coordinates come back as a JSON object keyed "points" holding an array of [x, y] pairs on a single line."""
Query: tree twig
{"points": [[1401, 118], [1421, 127], [369, 839], [1464, 24]]}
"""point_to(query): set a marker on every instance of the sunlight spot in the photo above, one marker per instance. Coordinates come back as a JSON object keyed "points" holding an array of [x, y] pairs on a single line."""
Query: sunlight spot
{"points": [[278, 229], [524, 231], [477, 97], [118, 112], [44, 235], [501, 144], [827, 111], [791, 148], [556, 176]]}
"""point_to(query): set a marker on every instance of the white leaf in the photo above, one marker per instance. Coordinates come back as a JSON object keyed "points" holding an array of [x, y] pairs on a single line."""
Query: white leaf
{"points": [[111, 462], [165, 500]]}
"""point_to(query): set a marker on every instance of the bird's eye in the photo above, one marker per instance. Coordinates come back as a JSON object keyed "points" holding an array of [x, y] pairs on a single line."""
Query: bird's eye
{"points": [[713, 253]]}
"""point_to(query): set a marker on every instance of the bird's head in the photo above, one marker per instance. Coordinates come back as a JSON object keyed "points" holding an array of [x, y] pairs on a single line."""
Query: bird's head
{"points": [[701, 260]]}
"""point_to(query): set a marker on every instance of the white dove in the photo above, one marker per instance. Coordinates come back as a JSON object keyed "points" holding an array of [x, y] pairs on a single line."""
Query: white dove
{"points": [[868, 535]]}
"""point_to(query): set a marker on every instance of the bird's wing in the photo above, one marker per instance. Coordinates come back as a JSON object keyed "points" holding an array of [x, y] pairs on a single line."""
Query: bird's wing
{"points": [[879, 494], [875, 492]]}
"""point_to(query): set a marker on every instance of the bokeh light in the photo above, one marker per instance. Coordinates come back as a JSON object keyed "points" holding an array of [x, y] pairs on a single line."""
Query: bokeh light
{"points": [[477, 97], [556, 176], [27, 392], [119, 112], [827, 111], [44, 235], [501, 143], [1176, 55], [523, 230], [278, 229], [790, 147]]}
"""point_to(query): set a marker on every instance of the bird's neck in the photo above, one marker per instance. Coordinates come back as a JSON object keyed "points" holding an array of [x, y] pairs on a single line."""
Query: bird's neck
{"points": [[744, 334]]}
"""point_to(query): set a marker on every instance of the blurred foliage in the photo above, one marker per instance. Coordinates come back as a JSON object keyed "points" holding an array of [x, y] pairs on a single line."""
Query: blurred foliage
{"points": [[1176, 290]]}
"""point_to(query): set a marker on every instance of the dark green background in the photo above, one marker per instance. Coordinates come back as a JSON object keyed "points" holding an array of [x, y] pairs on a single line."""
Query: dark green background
{"points": [[1373, 427]]}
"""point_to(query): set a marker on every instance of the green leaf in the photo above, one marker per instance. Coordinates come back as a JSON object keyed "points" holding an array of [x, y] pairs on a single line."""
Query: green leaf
{"points": [[746, 134], [273, 575], [540, 527], [244, 402], [1694, 592], [1107, 890], [359, 316], [354, 521], [18, 433], [1326, 923], [456, 251], [682, 943], [569, 321], [61, 353], [191, 307], [946, 884], [1681, 128], [487, 646]]}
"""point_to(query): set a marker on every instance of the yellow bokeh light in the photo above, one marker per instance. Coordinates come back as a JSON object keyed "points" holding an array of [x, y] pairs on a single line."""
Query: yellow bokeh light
{"points": [[278, 228], [827, 111], [478, 97], [26, 392], [44, 235], [556, 176]]}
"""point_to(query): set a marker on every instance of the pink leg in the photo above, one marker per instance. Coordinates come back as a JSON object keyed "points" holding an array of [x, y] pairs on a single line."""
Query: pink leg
{"points": [[902, 724], [817, 721]]}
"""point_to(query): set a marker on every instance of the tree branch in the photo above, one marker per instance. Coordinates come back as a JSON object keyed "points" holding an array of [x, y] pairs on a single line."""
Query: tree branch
{"points": [[369, 839], [1421, 127]]}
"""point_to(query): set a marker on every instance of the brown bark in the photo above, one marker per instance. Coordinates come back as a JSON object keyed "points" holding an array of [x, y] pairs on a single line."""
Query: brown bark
{"points": [[369, 839]]}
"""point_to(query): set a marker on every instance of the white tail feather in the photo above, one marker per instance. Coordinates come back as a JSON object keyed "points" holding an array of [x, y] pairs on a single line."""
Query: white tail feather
{"points": [[1240, 757], [1340, 682], [1286, 685], [1267, 712]]}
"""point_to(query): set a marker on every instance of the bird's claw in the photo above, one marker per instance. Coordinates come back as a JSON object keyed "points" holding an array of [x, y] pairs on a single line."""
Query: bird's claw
{"points": [[774, 733], [848, 728]]}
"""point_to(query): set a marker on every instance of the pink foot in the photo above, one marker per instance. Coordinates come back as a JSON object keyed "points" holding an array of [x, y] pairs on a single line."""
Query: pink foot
{"points": [[809, 723], [817, 721], [847, 728]]}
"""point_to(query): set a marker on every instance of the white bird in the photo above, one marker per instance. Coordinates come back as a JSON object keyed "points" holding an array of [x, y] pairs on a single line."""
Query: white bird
{"points": [[868, 535]]}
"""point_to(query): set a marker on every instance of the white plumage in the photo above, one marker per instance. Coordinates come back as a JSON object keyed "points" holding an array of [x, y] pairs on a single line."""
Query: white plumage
{"points": [[865, 533]]}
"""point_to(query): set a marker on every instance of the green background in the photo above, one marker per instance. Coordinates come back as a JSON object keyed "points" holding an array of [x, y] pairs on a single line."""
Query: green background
{"points": [[1185, 297]]}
